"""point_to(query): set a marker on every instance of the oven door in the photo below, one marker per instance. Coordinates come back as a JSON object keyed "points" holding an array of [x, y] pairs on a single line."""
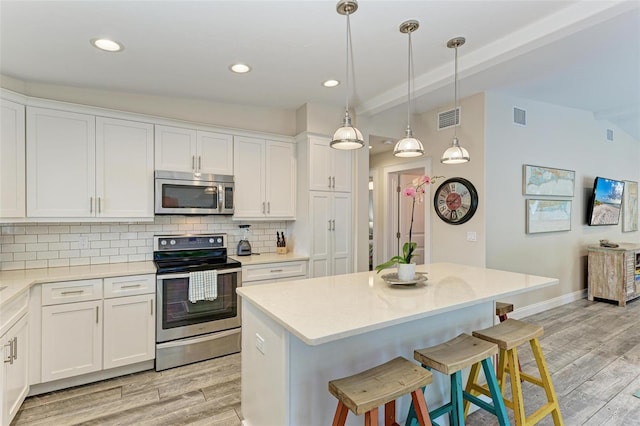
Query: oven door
{"points": [[178, 317]]}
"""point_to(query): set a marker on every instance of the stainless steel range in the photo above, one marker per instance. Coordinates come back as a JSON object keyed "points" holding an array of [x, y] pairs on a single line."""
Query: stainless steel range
{"points": [[198, 308]]}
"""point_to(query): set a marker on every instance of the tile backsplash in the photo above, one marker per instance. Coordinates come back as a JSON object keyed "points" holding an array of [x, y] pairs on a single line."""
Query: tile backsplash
{"points": [[47, 245]]}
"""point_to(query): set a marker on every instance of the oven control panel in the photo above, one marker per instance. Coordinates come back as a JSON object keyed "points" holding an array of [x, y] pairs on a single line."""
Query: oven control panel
{"points": [[189, 242]]}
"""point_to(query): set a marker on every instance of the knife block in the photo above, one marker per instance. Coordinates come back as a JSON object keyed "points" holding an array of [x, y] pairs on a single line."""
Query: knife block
{"points": [[281, 250]]}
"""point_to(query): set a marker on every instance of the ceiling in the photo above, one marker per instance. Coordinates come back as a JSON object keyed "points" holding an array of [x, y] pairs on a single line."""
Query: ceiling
{"points": [[581, 54]]}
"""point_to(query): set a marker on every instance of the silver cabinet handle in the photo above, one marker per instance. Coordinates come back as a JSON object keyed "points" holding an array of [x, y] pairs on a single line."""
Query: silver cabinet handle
{"points": [[193, 163], [91, 205], [199, 162], [97, 314], [333, 223], [263, 207], [329, 181], [275, 270], [333, 180], [10, 359], [15, 347], [66, 293], [329, 228], [99, 204], [130, 286], [268, 207], [151, 306]]}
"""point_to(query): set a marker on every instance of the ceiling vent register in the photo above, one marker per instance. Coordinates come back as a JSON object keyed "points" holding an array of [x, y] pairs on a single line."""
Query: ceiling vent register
{"points": [[519, 116], [449, 118]]}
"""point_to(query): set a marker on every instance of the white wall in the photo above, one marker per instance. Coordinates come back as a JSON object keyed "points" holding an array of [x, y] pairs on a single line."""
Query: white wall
{"points": [[554, 137]]}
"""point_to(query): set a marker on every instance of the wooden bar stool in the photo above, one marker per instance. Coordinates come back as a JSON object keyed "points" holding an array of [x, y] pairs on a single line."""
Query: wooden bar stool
{"points": [[502, 309], [366, 391], [508, 335], [450, 358]]}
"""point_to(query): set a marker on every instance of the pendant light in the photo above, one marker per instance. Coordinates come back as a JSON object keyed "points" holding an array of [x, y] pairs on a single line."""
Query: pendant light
{"points": [[455, 154], [347, 137], [409, 146]]}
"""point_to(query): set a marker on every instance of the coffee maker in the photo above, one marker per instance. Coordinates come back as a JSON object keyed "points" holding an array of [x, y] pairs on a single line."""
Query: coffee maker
{"points": [[244, 247]]}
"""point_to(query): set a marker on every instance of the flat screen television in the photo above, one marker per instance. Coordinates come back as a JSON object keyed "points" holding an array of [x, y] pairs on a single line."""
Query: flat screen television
{"points": [[606, 202]]}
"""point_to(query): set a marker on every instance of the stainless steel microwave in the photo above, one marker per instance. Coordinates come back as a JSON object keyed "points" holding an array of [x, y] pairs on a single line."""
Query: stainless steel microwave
{"points": [[193, 193]]}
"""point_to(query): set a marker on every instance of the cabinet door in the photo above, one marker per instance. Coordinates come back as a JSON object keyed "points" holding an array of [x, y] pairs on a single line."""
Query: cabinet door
{"points": [[12, 160], [175, 149], [320, 164], [341, 170], [129, 330], [321, 212], [249, 169], [16, 376], [280, 182], [214, 153], [341, 233], [60, 164], [71, 339], [124, 168]]}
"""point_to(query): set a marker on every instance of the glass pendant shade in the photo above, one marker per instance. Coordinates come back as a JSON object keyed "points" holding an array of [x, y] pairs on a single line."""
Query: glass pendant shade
{"points": [[347, 137], [408, 146], [455, 154]]}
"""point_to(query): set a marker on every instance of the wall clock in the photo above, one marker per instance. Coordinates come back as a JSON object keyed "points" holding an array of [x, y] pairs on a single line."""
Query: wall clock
{"points": [[456, 201]]}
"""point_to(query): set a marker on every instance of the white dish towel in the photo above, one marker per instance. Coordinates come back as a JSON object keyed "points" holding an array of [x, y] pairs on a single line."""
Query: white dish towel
{"points": [[203, 285]]}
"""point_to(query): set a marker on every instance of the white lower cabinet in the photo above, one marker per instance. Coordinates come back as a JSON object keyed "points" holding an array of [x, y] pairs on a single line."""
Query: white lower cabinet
{"points": [[71, 339], [129, 330], [330, 217], [14, 384], [82, 336]]}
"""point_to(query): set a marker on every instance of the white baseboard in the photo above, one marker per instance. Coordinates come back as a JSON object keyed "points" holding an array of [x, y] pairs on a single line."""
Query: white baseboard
{"points": [[548, 304]]}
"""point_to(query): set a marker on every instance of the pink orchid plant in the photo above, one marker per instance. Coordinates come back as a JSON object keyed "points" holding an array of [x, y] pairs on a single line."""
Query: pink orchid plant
{"points": [[416, 191]]}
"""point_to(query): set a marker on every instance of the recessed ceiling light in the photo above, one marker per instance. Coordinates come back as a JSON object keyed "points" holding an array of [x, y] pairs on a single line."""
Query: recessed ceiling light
{"points": [[240, 68], [330, 83], [370, 146], [107, 45]]}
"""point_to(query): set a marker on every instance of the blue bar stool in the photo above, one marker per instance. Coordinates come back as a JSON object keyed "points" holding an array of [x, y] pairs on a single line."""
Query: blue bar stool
{"points": [[451, 358]]}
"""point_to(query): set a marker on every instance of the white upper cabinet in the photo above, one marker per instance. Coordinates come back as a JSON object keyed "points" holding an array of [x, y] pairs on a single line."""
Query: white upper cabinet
{"points": [[60, 164], [329, 169], [80, 166], [193, 151], [12, 160], [265, 179], [124, 168]]}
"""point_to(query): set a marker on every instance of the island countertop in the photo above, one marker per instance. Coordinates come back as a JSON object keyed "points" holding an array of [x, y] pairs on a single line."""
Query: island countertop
{"points": [[321, 310]]}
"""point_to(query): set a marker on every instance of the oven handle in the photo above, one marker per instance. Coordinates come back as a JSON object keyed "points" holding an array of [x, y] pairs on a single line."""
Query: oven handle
{"points": [[186, 275]]}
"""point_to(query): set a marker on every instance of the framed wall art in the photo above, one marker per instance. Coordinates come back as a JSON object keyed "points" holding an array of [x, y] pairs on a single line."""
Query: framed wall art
{"points": [[630, 206], [548, 216], [538, 180]]}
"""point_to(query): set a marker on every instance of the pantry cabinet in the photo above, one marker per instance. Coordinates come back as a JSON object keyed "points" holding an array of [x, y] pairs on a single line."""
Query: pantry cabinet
{"points": [[83, 166], [614, 273], [193, 151], [12, 160], [330, 233], [265, 179]]}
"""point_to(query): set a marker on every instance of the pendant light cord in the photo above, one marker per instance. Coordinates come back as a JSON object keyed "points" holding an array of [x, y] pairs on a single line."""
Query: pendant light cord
{"points": [[348, 49], [455, 95], [409, 80]]}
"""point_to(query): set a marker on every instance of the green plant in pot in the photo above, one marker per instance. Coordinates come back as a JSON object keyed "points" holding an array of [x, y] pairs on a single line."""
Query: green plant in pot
{"points": [[406, 269]]}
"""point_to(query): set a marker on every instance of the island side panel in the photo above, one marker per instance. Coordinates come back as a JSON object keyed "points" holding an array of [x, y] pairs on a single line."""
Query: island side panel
{"points": [[265, 373], [311, 367]]}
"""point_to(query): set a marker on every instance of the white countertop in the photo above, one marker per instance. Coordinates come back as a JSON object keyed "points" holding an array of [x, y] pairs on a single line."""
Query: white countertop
{"points": [[17, 281], [268, 258], [321, 310]]}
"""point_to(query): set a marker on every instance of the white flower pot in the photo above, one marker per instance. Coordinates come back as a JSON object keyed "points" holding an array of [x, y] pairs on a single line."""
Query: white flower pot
{"points": [[406, 271]]}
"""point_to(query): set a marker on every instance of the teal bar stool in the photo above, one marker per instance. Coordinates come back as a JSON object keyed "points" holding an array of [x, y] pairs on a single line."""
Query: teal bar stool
{"points": [[451, 358]]}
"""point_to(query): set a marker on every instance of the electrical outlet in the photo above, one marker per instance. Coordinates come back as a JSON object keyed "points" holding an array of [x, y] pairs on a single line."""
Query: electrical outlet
{"points": [[260, 343], [83, 242], [472, 236]]}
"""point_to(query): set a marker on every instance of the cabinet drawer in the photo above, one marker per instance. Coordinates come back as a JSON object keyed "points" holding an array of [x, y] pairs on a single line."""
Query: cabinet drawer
{"points": [[71, 291], [129, 285], [274, 271], [12, 311]]}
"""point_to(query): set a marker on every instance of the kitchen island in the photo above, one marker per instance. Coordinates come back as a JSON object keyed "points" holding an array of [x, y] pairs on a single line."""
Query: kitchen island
{"points": [[298, 335]]}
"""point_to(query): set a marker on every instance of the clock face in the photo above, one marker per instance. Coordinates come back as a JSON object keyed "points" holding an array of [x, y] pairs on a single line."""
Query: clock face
{"points": [[456, 201]]}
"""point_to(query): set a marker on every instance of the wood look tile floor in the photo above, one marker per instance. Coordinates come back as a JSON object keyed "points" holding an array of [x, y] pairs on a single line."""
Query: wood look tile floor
{"points": [[592, 350]]}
